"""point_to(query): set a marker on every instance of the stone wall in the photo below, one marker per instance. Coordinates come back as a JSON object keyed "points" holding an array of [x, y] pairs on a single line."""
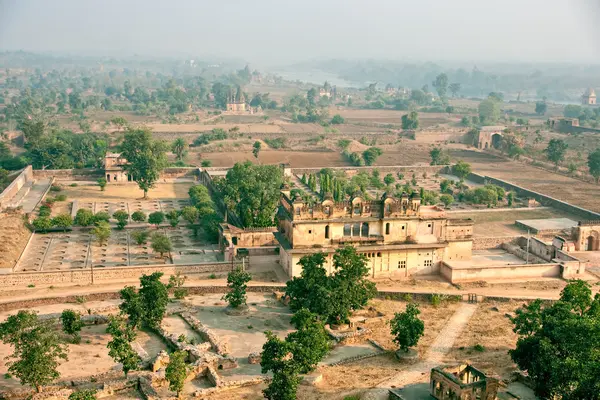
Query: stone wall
{"points": [[501, 272], [83, 174], [486, 243], [26, 175], [115, 274]]}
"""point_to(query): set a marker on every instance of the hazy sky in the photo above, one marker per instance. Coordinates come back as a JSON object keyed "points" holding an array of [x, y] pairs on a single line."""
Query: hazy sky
{"points": [[282, 31]]}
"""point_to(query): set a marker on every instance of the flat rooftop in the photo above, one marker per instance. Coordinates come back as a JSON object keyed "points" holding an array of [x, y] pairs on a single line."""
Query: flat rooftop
{"points": [[548, 224], [486, 258]]}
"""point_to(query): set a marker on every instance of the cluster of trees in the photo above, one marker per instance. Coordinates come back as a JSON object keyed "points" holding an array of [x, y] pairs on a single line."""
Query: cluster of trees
{"points": [[586, 115], [439, 156], [410, 121], [368, 157], [252, 192], [559, 342], [490, 109], [203, 210]]}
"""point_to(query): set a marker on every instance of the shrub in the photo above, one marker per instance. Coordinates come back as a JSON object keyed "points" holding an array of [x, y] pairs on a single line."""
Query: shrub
{"points": [[436, 300], [101, 216], [206, 163], [138, 216], [55, 188], [42, 224], [73, 184], [102, 183], [121, 216], [61, 197], [45, 211], [84, 217], [140, 237], [479, 347], [180, 293], [156, 218]]}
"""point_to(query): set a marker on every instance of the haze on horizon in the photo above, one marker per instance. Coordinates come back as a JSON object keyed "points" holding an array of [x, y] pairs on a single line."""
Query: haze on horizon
{"points": [[277, 32]]}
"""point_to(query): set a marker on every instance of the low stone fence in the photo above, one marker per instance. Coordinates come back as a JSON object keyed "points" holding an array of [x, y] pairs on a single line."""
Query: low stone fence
{"points": [[219, 346], [384, 169], [25, 176], [83, 174], [107, 274], [486, 243]]}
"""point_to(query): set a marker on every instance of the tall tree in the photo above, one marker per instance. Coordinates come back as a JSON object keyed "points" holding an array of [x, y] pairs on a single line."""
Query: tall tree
{"points": [[407, 328], [176, 371], [236, 282], [119, 347], [441, 84], [454, 89], [461, 169], [593, 162], [541, 107], [556, 150], [252, 192], [36, 349], [559, 344], [489, 111], [410, 121], [145, 157], [179, 148]]}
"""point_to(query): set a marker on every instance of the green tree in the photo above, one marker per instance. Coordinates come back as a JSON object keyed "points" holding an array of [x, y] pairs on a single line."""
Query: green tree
{"points": [[371, 154], [176, 371], [119, 346], [510, 198], [256, 149], [131, 306], [190, 214], [441, 84], [140, 236], [277, 357], [310, 342], [102, 183], [160, 243], [439, 156], [541, 107], [86, 394], [156, 218], [410, 121], [489, 111], [36, 349], [154, 297], [101, 216], [71, 323], [101, 231], [122, 218], [447, 199], [593, 162], [138, 216], [173, 218], [558, 344], [42, 224], [337, 119], [84, 217], [252, 192], [454, 88], [556, 150], [461, 169], [145, 157], [237, 283], [179, 148], [311, 290], [407, 328], [389, 179]]}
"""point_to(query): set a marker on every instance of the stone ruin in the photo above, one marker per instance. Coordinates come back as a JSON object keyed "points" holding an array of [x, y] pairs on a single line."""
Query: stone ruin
{"points": [[463, 382]]}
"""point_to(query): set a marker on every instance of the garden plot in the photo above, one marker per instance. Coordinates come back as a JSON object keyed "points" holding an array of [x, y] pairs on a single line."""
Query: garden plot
{"points": [[189, 249]]}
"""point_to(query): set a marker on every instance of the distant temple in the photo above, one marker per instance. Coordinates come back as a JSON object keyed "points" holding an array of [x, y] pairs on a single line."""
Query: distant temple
{"points": [[236, 102], [589, 97]]}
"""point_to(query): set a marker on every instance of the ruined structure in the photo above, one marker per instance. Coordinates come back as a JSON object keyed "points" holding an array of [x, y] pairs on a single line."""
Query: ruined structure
{"points": [[489, 137], [399, 236], [586, 236], [463, 382], [589, 97], [113, 168]]}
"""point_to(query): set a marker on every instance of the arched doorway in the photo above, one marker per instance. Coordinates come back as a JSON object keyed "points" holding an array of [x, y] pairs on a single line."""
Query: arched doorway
{"points": [[590, 244], [496, 140]]}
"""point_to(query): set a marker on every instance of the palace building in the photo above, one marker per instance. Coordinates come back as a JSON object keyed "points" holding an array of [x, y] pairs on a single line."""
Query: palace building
{"points": [[399, 236]]}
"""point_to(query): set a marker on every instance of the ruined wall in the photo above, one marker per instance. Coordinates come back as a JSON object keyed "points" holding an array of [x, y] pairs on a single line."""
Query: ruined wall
{"points": [[106, 274], [90, 174], [537, 247], [26, 175], [407, 170]]}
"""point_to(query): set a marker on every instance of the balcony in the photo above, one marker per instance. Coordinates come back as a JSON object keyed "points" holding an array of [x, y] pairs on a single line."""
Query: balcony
{"points": [[358, 239]]}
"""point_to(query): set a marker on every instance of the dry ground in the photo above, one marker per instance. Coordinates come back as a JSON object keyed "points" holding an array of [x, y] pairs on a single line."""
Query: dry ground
{"points": [[295, 158], [124, 192], [490, 328], [13, 238]]}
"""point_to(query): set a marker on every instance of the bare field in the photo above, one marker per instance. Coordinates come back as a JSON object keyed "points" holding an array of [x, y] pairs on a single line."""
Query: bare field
{"points": [[295, 158], [490, 328], [558, 186], [124, 192], [243, 127]]}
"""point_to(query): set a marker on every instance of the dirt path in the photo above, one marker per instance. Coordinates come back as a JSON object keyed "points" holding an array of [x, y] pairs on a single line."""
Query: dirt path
{"points": [[435, 354]]}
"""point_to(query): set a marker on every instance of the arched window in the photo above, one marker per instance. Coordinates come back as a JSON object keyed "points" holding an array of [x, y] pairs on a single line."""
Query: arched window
{"points": [[347, 230], [297, 210], [327, 232], [356, 229], [387, 228], [364, 232]]}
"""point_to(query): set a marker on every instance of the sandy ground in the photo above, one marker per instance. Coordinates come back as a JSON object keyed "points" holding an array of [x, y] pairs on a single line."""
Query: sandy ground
{"points": [[295, 159], [490, 328], [121, 192], [13, 238]]}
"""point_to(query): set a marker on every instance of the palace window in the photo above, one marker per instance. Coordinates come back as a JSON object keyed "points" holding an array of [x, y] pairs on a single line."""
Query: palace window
{"points": [[356, 229], [327, 232], [428, 263], [401, 264], [387, 228], [347, 230]]}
